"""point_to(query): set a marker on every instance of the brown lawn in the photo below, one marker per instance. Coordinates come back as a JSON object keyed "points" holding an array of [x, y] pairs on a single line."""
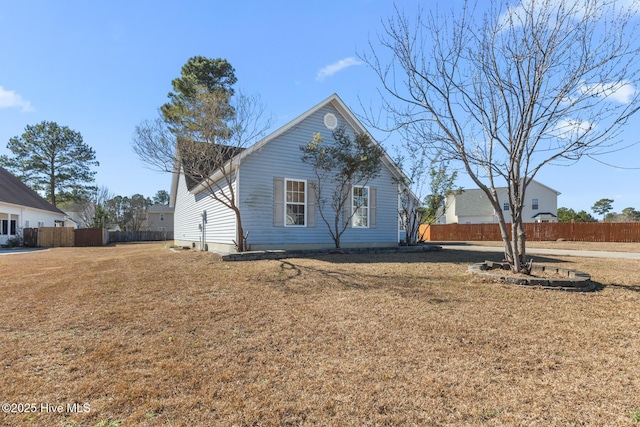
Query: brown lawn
{"points": [[138, 335]]}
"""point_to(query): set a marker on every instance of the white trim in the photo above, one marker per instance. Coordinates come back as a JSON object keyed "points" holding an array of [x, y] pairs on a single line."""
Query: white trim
{"points": [[367, 207], [335, 101], [8, 221], [218, 175], [304, 204]]}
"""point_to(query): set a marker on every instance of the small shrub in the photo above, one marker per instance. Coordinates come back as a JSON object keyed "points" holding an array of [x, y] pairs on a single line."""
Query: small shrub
{"points": [[14, 242]]}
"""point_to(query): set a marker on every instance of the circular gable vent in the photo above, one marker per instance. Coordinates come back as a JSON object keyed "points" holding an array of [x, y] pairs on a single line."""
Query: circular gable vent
{"points": [[330, 121]]}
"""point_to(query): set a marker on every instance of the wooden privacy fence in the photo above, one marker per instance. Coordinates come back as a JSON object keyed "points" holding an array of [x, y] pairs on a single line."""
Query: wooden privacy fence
{"points": [[54, 237], [546, 231], [140, 236], [91, 237], [30, 237]]}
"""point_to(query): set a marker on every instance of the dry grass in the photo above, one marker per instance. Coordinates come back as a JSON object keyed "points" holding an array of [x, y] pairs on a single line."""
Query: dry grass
{"points": [[150, 337]]}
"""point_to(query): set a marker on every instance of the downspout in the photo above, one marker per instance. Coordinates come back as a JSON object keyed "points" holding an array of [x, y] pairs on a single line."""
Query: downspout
{"points": [[236, 191]]}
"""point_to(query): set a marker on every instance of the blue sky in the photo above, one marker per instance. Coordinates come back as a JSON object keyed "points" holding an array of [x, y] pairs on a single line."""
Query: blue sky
{"points": [[101, 68]]}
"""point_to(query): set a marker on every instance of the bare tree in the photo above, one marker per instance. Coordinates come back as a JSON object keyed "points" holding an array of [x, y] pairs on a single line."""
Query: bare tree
{"points": [[423, 192], [513, 90], [135, 215], [206, 151], [91, 212], [343, 168]]}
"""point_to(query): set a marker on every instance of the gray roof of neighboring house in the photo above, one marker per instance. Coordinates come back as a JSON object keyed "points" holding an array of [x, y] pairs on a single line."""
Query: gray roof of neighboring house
{"points": [[543, 214], [160, 209], [473, 202], [14, 191]]}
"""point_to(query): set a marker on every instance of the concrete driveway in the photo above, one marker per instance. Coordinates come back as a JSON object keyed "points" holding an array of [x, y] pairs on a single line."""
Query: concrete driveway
{"points": [[14, 251]]}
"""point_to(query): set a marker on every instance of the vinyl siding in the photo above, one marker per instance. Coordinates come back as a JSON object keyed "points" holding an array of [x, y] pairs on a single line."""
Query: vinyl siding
{"points": [[154, 221], [220, 230], [281, 158], [547, 201], [473, 206]]}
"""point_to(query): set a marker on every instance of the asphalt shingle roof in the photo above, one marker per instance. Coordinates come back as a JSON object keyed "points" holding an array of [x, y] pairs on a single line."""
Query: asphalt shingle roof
{"points": [[14, 191]]}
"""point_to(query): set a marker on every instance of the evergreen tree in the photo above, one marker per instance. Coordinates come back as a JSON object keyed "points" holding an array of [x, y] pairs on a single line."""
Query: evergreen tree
{"points": [[53, 159]]}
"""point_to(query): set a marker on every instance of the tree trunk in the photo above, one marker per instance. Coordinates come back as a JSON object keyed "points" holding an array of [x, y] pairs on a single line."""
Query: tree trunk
{"points": [[241, 240], [516, 255], [524, 265], [515, 247], [52, 185], [508, 249]]}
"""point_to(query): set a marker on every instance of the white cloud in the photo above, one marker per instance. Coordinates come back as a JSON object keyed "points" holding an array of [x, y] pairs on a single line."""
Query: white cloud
{"points": [[623, 91], [331, 69], [11, 99], [572, 129]]}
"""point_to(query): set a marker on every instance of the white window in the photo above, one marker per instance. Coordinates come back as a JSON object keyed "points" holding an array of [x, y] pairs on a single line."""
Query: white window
{"points": [[505, 206], [8, 227], [162, 217], [360, 206], [534, 204], [162, 228], [295, 203]]}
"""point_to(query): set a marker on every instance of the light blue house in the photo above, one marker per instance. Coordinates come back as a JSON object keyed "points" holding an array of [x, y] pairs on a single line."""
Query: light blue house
{"points": [[277, 205]]}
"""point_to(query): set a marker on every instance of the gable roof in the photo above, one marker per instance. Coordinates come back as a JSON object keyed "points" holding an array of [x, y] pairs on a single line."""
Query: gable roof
{"points": [[335, 101], [502, 189], [160, 209], [474, 202], [14, 191], [228, 153], [544, 214]]}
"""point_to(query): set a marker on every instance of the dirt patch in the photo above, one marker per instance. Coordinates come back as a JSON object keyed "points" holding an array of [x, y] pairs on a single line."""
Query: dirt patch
{"points": [[150, 337]]}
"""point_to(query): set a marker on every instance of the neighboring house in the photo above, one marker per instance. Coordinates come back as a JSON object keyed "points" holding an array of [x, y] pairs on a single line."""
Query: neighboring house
{"points": [[160, 218], [78, 215], [71, 221], [473, 206], [277, 206], [21, 207]]}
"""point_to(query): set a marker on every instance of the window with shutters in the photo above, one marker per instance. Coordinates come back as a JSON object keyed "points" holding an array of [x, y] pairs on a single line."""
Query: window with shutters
{"points": [[295, 203], [360, 206]]}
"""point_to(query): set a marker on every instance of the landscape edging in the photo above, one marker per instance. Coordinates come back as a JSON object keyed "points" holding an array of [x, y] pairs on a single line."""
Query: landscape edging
{"points": [[302, 253]]}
